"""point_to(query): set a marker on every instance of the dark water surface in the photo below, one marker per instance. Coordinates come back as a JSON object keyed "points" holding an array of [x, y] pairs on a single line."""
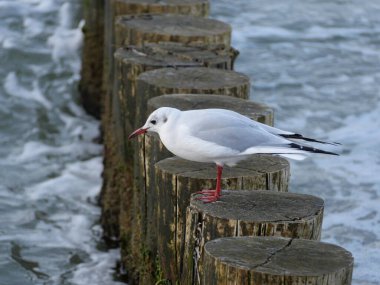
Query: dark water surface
{"points": [[317, 63]]}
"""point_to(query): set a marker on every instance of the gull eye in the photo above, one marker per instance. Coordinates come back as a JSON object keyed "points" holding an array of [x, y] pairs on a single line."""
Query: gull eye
{"points": [[153, 122]]}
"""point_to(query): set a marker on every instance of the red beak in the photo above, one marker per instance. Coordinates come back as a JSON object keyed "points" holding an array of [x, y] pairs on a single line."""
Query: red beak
{"points": [[137, 132]]}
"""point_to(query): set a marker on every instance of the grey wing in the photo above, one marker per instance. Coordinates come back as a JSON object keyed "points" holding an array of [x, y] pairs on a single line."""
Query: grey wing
{"points": [[231, 131]]}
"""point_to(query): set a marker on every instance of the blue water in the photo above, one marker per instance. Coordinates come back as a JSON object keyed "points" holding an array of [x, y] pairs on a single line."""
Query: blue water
{"points": [[317, 63]]}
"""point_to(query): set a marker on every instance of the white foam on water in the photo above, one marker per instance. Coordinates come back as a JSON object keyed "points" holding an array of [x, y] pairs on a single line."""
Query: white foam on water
{"points": [[52, 172], [66, 39], [97, 271], [14, 88]]}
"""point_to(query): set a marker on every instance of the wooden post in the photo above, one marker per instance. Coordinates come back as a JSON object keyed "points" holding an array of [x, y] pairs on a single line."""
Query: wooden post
{"points": [[149, 85], [109, 201], [273, 261], [92, 57], [130, 62], [213, 56], [140, 29], [248, 213], [177, 179]]}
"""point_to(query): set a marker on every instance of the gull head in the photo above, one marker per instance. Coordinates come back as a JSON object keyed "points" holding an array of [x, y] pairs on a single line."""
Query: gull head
{"points": [[156, 121]]}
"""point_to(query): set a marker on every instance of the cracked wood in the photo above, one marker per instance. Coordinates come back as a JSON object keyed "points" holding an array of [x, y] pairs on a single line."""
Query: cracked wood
{"points": [[248, 213], [273, 261]]}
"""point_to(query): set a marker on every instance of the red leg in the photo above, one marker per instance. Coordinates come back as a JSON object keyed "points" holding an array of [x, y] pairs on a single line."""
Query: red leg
{"points": [[213, 195]]}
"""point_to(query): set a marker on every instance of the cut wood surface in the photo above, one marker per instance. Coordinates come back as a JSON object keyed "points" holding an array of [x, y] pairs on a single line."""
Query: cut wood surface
{"points": [[176, 179], [247, 213], [273, 261], [140, 29], [194, 80]]}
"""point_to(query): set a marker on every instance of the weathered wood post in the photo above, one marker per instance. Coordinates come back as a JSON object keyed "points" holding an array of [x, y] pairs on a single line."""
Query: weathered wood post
{"points": [[273, 261], [177, 179], [248, 213], [203, 31], [130, 62], [110, 203], [90, 83], [219, 82]]}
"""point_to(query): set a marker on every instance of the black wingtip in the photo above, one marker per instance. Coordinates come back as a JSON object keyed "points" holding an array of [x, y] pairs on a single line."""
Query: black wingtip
{"points": [[311, 149], [300, 137]]}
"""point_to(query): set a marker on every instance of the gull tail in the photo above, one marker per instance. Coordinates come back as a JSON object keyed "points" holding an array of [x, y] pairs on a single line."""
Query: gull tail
{"points": [[302, 138], [295, 156]]}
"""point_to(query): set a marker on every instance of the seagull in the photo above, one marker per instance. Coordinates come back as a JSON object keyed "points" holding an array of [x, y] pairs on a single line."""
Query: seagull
{"points": [[223, 137]]}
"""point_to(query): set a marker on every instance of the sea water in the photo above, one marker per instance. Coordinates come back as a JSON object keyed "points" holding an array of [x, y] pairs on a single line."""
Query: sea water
{"points": [[317, 63], [50, 162]]}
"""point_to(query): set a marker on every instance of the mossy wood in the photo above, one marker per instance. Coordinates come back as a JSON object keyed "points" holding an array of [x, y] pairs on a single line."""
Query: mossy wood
{"points": [[176, 179], [273, 261], [92, 57], [247, 213]]}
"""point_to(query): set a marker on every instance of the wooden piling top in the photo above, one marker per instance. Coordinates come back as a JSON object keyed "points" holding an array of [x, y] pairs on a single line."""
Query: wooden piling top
{"points": [[260, 164], [164, 2], [258, 112], [271, 259], [172, 54], [170, 27], [261, 206], [181, 25], [201, 77]]}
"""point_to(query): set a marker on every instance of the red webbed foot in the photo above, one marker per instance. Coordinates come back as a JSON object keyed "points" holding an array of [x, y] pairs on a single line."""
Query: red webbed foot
{"points": [[208, 196], [208, 199], [206, 192]]}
